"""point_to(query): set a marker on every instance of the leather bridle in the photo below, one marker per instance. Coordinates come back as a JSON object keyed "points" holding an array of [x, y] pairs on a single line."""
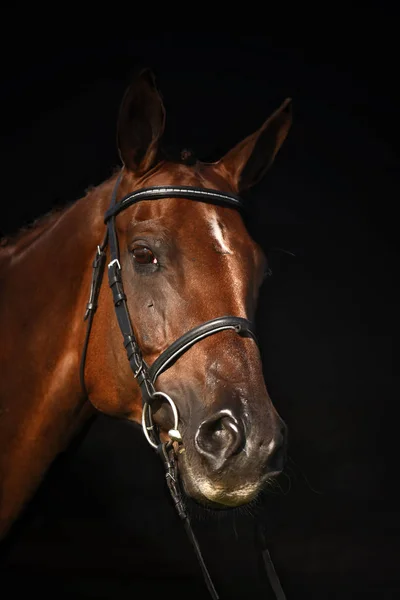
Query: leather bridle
{"points": [[146, 376]]}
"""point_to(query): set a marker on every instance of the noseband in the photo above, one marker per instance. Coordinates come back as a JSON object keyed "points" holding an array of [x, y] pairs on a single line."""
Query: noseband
{"points": [[146, 376]]}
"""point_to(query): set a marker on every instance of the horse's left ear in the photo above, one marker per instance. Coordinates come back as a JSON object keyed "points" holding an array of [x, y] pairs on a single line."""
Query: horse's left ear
{"points": [[140, 124], [248, 161]]}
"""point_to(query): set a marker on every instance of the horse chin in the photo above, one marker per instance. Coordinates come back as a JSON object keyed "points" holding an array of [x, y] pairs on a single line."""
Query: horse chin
{"points": [[215, 495], [203, 492]]}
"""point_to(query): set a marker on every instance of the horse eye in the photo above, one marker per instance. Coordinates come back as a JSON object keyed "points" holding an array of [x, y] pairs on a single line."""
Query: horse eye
{"points": [[144, 256]]}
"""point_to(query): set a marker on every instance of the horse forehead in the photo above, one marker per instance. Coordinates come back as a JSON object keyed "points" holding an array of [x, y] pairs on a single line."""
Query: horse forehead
{"points": [[199, 175], [193, 220], [214, 233]]}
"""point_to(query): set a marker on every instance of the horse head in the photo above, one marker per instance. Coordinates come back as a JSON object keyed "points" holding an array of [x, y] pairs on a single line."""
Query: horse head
{"points": [[184, 263]]}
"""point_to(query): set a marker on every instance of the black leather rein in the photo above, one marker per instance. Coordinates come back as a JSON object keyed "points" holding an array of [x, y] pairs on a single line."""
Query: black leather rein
{"points": [[145, 376]]}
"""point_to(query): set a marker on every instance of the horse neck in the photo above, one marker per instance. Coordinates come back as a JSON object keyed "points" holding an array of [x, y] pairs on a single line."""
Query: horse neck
{"points": [[45, 283]]}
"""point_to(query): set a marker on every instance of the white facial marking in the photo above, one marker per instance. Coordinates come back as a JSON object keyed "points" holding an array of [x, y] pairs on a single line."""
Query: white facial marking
{"points": [[219, 236]]}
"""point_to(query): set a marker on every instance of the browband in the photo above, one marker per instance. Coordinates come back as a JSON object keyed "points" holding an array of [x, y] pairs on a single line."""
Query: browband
{"points": [[170, 191]]}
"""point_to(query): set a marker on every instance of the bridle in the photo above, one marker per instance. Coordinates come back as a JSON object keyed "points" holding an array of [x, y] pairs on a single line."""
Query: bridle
{"points": [[146, 376]]}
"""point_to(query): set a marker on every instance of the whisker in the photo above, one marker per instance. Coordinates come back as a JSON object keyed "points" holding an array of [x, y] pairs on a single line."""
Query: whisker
{"points": [[287, 476], [305, 477]]}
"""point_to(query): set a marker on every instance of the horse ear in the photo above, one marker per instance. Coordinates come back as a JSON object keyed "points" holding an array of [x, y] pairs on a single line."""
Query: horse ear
{"points": [[249, 160], [140, 123]]}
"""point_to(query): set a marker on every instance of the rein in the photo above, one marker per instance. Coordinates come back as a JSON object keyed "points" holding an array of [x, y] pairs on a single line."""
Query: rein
{"points": [[146, 376]]}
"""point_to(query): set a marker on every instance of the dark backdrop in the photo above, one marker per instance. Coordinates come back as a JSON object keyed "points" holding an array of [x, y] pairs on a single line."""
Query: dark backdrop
{"points": [[102, 525]]}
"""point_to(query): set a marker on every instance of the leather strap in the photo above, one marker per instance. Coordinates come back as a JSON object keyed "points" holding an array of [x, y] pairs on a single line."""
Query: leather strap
{"points": [[167, 455], [188, 339], [268, 564], [169, 191], [91, 307], [135, 358]]}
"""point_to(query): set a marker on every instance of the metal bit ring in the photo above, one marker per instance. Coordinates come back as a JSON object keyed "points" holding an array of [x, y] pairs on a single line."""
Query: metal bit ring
{"points": [[147, 420]]}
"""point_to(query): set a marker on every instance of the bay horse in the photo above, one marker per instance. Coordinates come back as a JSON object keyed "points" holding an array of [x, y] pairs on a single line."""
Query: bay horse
{"points": [[187, 263]]}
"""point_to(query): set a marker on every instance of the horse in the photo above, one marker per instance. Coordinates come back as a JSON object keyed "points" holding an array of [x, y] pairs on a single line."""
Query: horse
{"points": [[185, 273]]}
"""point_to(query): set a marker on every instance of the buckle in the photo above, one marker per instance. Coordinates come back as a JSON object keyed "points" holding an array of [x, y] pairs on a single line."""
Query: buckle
{"points": [[114, 262]]}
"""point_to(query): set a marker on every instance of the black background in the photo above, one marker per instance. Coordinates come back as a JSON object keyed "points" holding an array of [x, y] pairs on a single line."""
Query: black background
{"points": [[102, 525]]}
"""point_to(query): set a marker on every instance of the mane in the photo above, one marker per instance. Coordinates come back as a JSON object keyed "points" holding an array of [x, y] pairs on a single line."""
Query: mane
{"points": [[27, 234]]}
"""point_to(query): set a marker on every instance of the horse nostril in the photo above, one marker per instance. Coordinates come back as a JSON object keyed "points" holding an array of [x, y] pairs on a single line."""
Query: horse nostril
{"points": [[220, 437]]}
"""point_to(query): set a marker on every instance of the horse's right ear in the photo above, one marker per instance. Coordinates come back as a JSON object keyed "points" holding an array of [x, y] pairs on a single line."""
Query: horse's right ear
{"points": [[248, 161], [140, 124]]}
